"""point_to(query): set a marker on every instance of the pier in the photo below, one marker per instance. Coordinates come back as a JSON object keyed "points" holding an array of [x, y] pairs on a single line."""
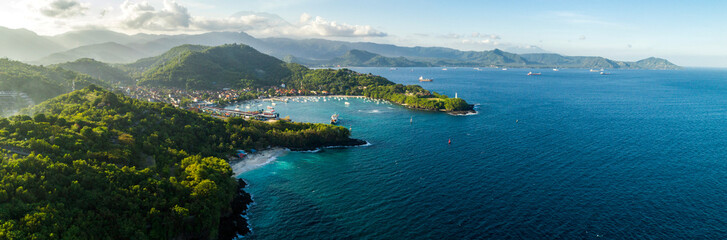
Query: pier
{"points": [[258, 115]]}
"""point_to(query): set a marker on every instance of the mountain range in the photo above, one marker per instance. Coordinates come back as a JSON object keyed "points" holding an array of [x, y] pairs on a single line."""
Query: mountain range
{"points": [[112, 47]]}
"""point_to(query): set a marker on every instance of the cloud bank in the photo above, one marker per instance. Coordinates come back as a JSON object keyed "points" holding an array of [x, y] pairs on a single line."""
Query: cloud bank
{"points": [[63, 9], [173, 17]]}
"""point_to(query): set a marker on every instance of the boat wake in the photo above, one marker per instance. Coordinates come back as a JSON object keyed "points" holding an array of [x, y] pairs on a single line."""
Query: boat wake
{"points": [[370, 111]]}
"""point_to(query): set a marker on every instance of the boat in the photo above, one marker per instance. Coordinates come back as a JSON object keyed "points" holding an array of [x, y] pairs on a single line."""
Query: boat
{"points": [[533, 74], [334, 118], [556, 69], [605, 73], [444, 69], [411, 120], [422, 79], [504, 69], [346, 103]]}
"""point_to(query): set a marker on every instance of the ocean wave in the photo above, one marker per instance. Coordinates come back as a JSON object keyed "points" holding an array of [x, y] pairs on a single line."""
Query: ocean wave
{"points": [[363, 145], [306, 151], [256, 160]]}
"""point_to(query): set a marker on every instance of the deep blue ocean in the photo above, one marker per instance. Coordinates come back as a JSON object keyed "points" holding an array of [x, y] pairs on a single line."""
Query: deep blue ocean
{"points": [[571, 154]]}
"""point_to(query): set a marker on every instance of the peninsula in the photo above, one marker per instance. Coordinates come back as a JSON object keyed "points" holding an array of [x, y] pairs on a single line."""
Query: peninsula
{"points": [[143, 166]]}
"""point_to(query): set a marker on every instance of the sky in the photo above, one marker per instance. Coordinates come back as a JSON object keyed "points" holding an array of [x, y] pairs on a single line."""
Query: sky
{"points": [[688, 33]]}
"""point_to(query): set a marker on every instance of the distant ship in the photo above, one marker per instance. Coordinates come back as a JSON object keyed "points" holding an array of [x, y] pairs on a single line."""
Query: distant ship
{"points": [[556, 69], [422, 79], [444, 69], [533, 74], [605, 73], [504, 69], [334, 118], [594, 70]]}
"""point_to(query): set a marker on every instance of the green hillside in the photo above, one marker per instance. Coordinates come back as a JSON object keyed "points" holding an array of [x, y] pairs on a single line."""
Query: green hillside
{"points": [[98, 70], [40, 83], [213, 68], [361, 58], [656, 63], [556, 60], [145, 64], [107, 166], [109, 52]]}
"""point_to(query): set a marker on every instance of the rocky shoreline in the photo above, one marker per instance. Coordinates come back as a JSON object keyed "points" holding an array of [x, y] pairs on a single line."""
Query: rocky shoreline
{"points": [[351, 142], [234, 224]]}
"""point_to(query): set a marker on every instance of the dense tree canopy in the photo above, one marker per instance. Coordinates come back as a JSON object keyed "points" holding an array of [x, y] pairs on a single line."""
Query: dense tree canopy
{"points": [[107, 166]]}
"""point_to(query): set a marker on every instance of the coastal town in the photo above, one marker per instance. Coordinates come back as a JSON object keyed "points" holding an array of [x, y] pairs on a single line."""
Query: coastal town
{"points": [[213, 101]]}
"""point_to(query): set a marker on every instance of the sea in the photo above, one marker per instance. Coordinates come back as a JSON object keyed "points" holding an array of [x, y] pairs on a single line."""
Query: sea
{"points": [[569, 154]]}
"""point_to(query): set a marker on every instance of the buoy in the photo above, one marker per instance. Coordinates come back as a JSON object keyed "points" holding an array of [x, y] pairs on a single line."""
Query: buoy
{"points": [[450, 141]]}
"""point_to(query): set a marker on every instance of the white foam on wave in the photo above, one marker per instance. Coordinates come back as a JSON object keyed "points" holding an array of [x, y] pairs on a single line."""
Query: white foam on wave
{"points": [[256, 160], [307, 151], [363, 145]]}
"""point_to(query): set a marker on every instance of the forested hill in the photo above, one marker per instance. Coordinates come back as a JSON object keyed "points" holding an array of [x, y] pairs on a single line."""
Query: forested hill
{"points": [[192, 67], [99, 70], [556, 60], [38, 82], [229, 65], [108, 166]]}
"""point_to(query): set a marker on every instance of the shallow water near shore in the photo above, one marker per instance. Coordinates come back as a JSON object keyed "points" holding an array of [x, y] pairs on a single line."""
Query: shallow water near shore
{"points": [[568, 154]]}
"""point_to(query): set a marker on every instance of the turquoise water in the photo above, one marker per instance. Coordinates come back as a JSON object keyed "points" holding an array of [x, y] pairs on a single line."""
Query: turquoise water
{"points": [[569, 154]]}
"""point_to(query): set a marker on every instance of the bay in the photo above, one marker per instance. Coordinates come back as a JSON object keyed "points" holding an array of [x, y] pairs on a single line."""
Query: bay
{"points": [[568, 154]]}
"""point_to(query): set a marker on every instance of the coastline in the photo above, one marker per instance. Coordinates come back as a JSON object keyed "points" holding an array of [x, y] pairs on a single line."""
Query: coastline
{"points": [[234, 223], [467, 112], [255, 160], [263, 157]]}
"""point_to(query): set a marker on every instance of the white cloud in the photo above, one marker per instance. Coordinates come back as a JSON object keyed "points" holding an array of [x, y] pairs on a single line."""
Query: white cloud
{"points": [[63, 8], [322, 27], [473, 41], [143, 16], [174, 17], [305, 17]]}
